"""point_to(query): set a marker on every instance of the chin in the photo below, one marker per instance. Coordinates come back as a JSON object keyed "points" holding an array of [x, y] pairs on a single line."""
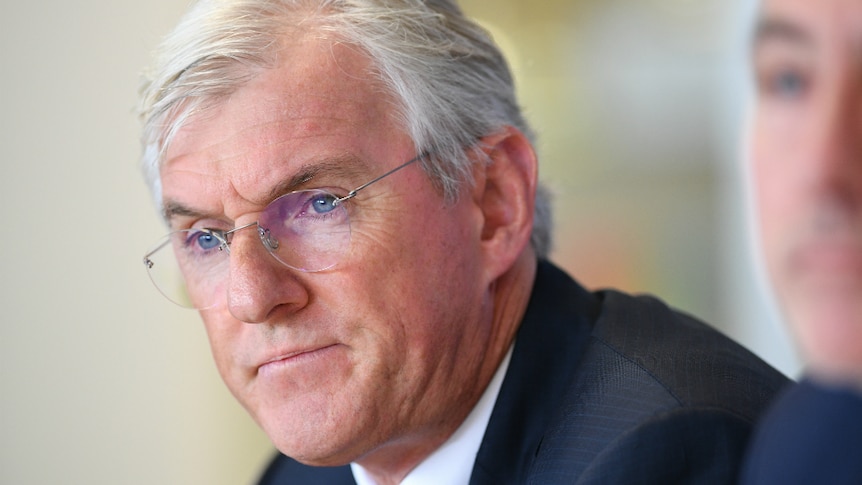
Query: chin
{"points": [[310, 435], [309, 448]]}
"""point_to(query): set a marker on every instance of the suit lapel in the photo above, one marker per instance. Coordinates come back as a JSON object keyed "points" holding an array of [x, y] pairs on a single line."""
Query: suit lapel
{"points": [[550, 341]]}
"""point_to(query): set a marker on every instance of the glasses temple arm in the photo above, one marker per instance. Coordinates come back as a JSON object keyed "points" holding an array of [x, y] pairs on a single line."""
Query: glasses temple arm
{"points": [[353, 192]]}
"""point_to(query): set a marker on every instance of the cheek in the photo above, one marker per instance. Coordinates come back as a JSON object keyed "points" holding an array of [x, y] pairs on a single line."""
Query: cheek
{"points": [[222, 336], [781, 152], [417, 279], [775, 194], [767, 191]]}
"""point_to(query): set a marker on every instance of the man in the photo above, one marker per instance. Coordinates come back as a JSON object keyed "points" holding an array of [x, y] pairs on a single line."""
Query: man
{"points": [[807, 158], [353, 197]]}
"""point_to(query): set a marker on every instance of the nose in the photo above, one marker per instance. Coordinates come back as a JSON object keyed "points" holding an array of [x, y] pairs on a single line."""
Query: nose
{"points": [[259, 287], [838, 150]]}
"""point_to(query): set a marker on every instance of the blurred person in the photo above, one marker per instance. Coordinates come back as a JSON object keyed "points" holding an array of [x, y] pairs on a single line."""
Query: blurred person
{"points": [[352, 196], [806, 149]]}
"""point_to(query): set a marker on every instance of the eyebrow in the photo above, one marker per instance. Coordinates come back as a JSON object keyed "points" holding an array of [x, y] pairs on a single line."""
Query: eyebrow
{"points": [[339, 167], [778, 29]]}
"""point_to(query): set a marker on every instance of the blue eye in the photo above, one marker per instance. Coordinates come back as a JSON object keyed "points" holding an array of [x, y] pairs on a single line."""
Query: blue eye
{"points": [[202, 241], [323, 203], [789, 84], [208, 241]]}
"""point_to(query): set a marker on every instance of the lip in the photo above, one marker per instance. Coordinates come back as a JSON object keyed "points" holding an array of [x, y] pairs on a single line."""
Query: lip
{"points": [[294, 358]]}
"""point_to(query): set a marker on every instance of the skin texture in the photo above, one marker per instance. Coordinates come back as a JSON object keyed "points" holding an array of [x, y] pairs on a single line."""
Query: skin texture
{"points": [[379, 359], [807, 154]]}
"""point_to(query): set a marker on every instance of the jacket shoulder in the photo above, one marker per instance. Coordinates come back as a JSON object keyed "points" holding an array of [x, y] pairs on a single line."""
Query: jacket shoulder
{"points": [[693, 362], [658, 397]]}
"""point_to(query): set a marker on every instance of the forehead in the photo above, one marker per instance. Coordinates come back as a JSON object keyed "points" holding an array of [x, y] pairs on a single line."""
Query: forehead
{"points": [[812, 20], [320, 103]]}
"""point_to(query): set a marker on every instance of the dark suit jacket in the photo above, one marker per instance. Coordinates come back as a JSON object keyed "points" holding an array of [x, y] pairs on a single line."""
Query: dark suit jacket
{"points": [[608, 388], [812, 434]]}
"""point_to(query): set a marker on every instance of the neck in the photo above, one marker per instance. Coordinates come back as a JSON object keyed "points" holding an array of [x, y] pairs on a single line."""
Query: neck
{"points": [[508, 297]]}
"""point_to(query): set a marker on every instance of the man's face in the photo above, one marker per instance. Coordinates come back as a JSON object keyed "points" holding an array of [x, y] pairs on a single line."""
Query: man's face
{"points": [[807, 153], [383, 348]]}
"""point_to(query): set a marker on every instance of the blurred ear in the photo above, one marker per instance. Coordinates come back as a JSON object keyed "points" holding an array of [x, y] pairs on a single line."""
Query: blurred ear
{"points": [[505, 192]]}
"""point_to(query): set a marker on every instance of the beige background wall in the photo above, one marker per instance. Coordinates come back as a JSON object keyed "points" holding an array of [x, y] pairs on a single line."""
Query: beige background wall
{"points": [[101, 382]]}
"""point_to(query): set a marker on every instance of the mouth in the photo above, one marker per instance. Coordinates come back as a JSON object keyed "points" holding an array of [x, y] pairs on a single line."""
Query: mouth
{"points": [[295, 359]]}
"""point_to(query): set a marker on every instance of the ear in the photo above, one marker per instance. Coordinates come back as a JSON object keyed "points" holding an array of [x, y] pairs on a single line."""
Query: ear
{"points": [[505, 192]]}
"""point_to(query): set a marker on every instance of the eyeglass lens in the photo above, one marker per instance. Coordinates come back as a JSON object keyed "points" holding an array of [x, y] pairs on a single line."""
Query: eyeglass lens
{"points": [[307, 230]]}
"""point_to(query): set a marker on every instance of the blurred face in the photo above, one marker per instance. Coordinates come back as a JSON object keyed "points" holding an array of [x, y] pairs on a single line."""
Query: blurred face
{"points": [[807, 153], [383, 350]]}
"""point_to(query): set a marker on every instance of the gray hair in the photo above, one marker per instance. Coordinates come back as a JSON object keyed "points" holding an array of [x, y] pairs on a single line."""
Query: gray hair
{"points": [[451, 83]]}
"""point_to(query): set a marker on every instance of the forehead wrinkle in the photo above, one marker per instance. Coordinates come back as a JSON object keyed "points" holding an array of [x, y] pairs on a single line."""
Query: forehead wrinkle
{"points": [[273, 114], [268, 144], [328, 170], [343, 167]]}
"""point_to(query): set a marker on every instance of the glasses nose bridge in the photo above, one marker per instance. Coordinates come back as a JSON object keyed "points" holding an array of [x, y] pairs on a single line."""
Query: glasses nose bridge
{"points": [[227, 236], [264, 235]]}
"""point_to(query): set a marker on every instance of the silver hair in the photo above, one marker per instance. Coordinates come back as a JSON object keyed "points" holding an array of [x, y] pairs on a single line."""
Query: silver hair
{"points": [[451, 83]]}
